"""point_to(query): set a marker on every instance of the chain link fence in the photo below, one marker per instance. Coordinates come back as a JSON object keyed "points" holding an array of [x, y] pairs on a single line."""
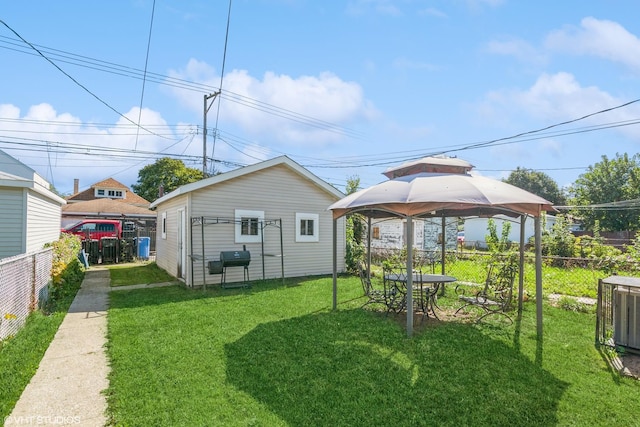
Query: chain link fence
{"points": [[560, 275], [23, 288]]}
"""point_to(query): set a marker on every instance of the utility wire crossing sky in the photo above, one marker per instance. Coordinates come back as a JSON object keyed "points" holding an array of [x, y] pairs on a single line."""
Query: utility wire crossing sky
{"points": [[346, 89]]}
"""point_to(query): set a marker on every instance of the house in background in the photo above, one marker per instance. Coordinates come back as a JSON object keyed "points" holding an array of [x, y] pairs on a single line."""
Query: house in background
{"points": [[390, 233], [275, 209], [108, 199], [475, 229], [31, 212]]}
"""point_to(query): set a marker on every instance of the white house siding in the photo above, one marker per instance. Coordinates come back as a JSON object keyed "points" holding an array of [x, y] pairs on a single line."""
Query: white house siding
{"points": [[475, 229], [12, 222], [426, 233], [390, 233], [42, 221], [167, 246], [280, 193]]}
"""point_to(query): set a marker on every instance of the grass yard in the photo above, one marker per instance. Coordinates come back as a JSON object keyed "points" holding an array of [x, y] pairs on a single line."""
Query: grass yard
{"points": [[277, 355], [138, 273], [20, 356]]}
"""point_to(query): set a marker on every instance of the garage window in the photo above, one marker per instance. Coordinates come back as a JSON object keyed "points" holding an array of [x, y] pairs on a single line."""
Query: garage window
{"points": [[307, 227]]}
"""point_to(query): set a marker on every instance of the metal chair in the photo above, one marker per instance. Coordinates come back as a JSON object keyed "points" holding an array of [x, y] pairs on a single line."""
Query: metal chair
{"points": [[496, 295]]}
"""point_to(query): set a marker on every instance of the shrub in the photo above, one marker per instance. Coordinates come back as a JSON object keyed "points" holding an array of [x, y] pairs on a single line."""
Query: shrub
{"points": [[66, 272]]}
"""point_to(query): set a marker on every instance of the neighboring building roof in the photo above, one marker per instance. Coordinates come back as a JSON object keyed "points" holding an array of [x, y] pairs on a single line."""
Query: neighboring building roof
{"points": [[282, 160], [14, 173], [109, 183], [101, 207]]}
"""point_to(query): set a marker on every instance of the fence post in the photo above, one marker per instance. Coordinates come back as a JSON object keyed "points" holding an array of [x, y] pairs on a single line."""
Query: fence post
{"points": [[32, 297]]}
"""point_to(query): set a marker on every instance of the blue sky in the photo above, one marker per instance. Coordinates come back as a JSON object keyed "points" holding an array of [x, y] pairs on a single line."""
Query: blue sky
{"points": [[345, 88]]}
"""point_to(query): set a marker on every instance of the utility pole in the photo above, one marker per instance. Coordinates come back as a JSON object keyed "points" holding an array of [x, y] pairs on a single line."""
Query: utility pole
{"points": [[204, 130]]}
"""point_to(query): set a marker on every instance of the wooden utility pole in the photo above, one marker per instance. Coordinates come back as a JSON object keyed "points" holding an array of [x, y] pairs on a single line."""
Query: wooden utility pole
{"points": [[204, 130]]}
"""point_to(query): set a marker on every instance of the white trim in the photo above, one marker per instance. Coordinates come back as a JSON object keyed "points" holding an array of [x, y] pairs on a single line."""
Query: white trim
{"points": [[315, 237], [244, 238]]}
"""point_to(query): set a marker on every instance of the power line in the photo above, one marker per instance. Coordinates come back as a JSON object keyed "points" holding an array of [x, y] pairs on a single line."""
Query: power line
{"points": [[224, 61], [73, 79], [144, 78], [130, 72]]}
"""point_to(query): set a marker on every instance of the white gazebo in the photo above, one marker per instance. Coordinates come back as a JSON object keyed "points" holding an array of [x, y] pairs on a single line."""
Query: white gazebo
{"points": [[443, 187]]}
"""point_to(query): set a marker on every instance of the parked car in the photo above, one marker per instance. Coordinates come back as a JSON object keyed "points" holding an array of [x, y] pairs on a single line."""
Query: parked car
{"points": [[460, 237], [95, 229]]}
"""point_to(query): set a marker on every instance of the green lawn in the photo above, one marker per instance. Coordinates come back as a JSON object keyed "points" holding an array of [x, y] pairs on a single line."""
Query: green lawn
{"points": [[137, 273], [20, 356], [278, 355]]}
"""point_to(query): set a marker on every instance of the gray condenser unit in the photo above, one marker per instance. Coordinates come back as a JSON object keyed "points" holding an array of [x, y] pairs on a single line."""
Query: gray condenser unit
{"points": [[626, 317]]}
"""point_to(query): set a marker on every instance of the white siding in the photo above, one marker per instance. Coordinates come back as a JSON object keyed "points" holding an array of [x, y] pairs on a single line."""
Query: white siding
{"points": [[167, 247], [476, 229], [43, 221], [12, 222], [280, 193]]}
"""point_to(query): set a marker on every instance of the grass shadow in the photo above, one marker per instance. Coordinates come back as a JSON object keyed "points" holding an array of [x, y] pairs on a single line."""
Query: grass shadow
{"points": [[353, 367]]}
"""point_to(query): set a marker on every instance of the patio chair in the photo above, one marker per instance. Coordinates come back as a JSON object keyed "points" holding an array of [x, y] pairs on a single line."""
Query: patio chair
{"points": [[496, 294], [395, 290], [389, 295]]}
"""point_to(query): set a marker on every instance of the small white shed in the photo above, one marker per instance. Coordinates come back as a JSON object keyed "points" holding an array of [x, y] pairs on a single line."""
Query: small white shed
{"points": [[276, 210], [31, 212]]}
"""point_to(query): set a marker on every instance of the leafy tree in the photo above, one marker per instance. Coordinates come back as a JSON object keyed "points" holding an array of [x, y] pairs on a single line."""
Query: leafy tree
{"points": [[497, 244], [559, 241], [611, 180], [166, 172], [538, 183], [355, 230]]}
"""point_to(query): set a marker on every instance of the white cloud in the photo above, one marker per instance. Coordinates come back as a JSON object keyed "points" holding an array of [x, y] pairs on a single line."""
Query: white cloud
{"points": [[601, 38], [301, 110], [555, 98], [478, 4], [61, 148], [383, 7], [517, 48], [403, 63], [432, 11]]}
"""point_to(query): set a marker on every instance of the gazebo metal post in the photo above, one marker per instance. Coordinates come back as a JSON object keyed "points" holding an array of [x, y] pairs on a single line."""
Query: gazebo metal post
{"points": [[281, 252], [538, 234], [204, 274], [523, 219], [369, 234], [335, 263], [409, 276], [443, 250]]}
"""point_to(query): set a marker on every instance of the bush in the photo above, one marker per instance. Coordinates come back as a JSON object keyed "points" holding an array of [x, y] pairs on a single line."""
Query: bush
{"points": [[67, 272]]}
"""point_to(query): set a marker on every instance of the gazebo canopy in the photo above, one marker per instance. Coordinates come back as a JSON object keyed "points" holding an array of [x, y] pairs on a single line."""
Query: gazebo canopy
{"points": [[442, 187], [441, 194]]}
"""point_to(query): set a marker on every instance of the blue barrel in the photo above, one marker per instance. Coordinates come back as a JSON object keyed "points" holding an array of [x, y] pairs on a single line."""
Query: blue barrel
{"points": [[144, 243]]}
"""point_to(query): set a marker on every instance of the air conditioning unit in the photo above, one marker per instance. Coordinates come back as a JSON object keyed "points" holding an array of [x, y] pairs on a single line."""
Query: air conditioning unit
{"points": [[626, 317]]}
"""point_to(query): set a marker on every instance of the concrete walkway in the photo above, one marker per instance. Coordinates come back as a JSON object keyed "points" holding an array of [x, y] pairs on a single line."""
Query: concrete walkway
{"points": [[67, 387]]}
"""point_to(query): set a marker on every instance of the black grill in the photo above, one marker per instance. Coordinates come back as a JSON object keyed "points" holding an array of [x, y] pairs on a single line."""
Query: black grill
{"points": [[231, 259], [235, 258]]}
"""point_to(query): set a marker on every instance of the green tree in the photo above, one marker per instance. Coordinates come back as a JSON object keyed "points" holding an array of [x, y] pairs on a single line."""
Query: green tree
{"points": [[559, 241], [497, 244], [355, 230], [538, 183], [166, 172], [611, 180]]}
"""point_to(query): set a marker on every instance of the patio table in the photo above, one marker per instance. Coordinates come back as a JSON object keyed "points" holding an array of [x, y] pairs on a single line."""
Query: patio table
{"points": [[425, 287]]}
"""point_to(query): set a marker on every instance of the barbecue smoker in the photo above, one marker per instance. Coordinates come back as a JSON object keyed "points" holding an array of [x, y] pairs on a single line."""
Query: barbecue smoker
{"points": [[231, 259]]}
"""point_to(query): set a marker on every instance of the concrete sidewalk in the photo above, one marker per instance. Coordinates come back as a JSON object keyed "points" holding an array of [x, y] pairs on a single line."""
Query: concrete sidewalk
{"points": [[67, 387]]}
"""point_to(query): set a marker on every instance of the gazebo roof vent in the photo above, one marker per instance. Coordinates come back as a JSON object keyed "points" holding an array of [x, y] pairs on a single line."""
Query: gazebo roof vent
{"points": [[433, 164]]}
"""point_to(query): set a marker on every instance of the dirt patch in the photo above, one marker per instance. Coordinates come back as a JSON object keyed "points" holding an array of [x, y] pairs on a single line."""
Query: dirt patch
{"points": [[628, 365]]}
